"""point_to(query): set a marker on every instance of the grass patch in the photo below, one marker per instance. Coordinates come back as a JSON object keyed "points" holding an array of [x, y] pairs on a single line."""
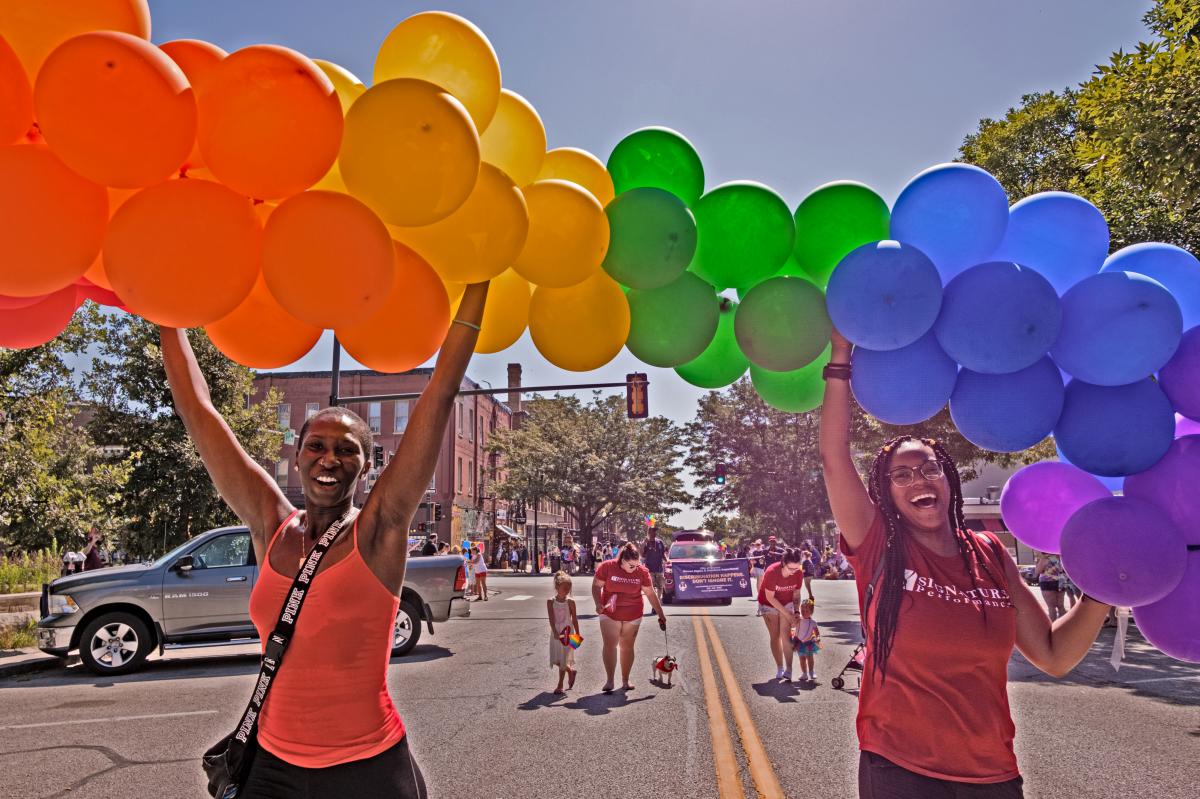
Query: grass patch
{"points": [[18, 636]]}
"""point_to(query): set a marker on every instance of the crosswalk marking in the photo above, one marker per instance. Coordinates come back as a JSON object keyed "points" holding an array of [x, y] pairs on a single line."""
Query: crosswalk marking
{"points": [[518, 598]]}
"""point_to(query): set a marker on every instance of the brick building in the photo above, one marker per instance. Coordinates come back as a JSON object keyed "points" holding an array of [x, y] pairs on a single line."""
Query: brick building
{"points": [[465, 472]]}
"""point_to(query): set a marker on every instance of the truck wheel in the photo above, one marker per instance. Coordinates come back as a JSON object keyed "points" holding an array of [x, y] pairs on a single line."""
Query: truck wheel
{"points": [[115, 643], [407, 630]]}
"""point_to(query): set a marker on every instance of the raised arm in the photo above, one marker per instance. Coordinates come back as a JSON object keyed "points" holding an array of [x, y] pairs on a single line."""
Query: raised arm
{"points": [[852, 508], [242, 483], [383, 525]]}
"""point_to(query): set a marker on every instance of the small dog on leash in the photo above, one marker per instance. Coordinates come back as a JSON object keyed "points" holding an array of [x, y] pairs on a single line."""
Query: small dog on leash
{"points": [[664, 667]]}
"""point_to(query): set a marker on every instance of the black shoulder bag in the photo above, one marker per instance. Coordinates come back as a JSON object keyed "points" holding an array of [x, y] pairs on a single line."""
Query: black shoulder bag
{"points": [[227, 762]]}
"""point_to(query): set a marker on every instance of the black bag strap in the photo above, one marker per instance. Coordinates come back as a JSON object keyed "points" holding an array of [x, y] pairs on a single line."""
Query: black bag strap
{"points": [[281, 636]]}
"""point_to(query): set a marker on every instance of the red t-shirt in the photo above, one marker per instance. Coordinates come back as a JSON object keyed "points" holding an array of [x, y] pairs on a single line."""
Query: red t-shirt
{"points": [[624, 588], [785, 588], [943, 711]]}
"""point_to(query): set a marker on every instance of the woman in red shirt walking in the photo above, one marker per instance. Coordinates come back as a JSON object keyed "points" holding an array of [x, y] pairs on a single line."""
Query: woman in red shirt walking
{"points": [[328, 726], [776, 594], [619, 587], [942, 607]]}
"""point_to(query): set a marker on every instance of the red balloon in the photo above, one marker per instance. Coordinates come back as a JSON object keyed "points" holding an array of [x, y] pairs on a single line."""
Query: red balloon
{"points": [[87, 290], [12, 303], [34, 325]]}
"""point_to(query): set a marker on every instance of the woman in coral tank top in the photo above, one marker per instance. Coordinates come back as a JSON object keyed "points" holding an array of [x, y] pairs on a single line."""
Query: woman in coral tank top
{"points": [[328, 727], [942, 607]]}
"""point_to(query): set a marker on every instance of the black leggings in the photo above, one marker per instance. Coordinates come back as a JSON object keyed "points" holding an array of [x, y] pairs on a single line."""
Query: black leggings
{"points": [[880, 778], [391, 774]]}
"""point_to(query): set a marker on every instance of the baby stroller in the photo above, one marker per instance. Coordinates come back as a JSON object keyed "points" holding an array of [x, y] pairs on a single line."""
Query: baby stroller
{"points": [[857, 657]]}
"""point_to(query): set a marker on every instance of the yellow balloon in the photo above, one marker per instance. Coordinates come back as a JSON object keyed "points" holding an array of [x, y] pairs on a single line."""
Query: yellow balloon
{"points": [[506, 313], [479, 240], [582, 327], [516, 139], [568, 235], [409, 152], [454, 291], [581, 167], [448, 51], [349, 88]]}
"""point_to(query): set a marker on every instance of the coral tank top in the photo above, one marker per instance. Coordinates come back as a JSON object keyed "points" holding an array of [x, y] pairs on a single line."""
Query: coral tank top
{"points": [[943, 710], [330, 701]]}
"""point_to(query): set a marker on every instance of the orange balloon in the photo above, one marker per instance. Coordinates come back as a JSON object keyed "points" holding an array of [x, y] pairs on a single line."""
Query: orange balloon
{"points": [[579, 167], [479, 240], [51, 222], [183, 253], [16, 96], [327, 258], [270, 122], [410, 325], [34, 29], [240, 335], [34, 325], [116, 109], [197, 59], [87, 290], [95, 273]]}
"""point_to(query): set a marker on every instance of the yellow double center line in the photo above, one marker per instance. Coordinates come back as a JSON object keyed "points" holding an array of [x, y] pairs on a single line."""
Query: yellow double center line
{"points": [[729, 783]]}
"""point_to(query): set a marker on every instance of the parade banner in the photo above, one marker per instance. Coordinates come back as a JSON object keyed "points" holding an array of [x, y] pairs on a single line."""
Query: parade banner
{"points": [[716, 580]]}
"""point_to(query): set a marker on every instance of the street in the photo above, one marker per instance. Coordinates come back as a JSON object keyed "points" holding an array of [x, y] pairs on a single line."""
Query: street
{"points": [[476, 699]]}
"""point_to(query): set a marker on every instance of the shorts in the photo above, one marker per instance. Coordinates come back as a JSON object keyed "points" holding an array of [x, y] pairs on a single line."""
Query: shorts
{"points": [[392, 773], [769, 610], [880, 778], [756, 573], [660, 581]]}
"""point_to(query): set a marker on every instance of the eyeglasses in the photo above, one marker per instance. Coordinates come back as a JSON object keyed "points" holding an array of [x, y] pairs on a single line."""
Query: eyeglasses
{"points": [[904, 475]]}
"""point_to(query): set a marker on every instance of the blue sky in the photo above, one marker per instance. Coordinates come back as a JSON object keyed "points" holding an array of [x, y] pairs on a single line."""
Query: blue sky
{"points": [[792, 93]]}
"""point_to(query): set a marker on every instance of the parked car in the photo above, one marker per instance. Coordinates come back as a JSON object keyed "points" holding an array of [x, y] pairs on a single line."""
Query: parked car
{"points": [[198, 594], [688, 548]]}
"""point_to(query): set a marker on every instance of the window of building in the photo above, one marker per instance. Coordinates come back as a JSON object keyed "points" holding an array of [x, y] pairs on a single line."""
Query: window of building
{"points": [[281, 473], [458, 418], [401, 423], [470, 478], [481, 429], [374, 411], [470, 427], [310, 410], [284, 411], [460, 482]]}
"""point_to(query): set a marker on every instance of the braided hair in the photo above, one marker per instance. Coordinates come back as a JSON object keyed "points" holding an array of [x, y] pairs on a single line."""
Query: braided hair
{"points": [[890, 591]]}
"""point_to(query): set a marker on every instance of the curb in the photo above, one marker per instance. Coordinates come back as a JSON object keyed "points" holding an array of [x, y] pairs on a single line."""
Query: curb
{"points": [[29, 664]]}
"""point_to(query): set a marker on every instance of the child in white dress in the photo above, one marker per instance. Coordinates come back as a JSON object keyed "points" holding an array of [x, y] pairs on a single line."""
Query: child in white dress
{"points": [[563, 621]]}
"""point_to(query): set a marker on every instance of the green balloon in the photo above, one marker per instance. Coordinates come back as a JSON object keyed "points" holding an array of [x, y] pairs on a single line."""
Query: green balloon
{"points": [[782, 323], [673, 324], [833, 220], [652, 238], [745, 233], [658, 158], [798, 391], [721, 363]]}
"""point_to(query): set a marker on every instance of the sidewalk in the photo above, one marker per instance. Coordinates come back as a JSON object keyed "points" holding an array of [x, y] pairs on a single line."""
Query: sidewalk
{"points": [[25, 661]]}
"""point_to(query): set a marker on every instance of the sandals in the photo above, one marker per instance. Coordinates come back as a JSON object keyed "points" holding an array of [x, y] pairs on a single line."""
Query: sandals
{"points": [[571, 673]]}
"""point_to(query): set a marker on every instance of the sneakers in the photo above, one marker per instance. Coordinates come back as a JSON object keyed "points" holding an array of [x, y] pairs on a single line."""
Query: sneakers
{"points": [[786, 676], [779, 673]]}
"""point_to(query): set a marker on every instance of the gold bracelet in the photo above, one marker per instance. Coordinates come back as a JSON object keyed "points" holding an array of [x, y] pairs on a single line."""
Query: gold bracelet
{"points": [[465, 323]]}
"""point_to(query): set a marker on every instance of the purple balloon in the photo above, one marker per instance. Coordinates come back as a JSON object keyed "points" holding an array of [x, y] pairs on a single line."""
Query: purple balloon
{"points": [[1185, 426], [1038, 500], [1123, 551], [1173, 486], [1173, 623], [1180, 378]]}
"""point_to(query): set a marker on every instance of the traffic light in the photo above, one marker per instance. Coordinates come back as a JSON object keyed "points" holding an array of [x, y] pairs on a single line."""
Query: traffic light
{"points": [[437, 511], [637, 395], [378, 456], [422, 527], [719, 475]]}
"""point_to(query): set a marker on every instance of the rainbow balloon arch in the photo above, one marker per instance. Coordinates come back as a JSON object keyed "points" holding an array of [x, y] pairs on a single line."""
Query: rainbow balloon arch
{"points": [[263, 190]]}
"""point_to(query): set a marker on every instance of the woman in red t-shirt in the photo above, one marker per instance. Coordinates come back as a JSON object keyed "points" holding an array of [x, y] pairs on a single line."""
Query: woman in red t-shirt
{"points": [[618, 589], [776, 590], [942, 608]]}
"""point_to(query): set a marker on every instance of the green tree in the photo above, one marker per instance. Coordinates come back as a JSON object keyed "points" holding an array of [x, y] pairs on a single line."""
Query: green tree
{"points": [[54, 482], [591, 459], [169, 496]]}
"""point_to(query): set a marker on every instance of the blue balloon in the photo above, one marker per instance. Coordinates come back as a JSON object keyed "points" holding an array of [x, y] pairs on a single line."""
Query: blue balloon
{"points": [[1111, 483], [904, 386], [1061, 235], [1008, 413], [998, 317], [955, 213], [884, 295], [1175, 268], [1117, 328], [1115, 431]]}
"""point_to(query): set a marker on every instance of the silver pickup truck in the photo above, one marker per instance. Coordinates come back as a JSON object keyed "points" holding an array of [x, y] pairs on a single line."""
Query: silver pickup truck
{"points": [[199, 595]]}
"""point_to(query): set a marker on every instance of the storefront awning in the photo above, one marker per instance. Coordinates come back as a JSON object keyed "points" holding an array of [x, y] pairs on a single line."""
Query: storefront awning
{"points": [[508, 531]]}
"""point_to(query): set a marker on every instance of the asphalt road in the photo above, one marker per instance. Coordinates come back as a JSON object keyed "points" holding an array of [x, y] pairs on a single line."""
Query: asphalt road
{"points": [[483, 723]]}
